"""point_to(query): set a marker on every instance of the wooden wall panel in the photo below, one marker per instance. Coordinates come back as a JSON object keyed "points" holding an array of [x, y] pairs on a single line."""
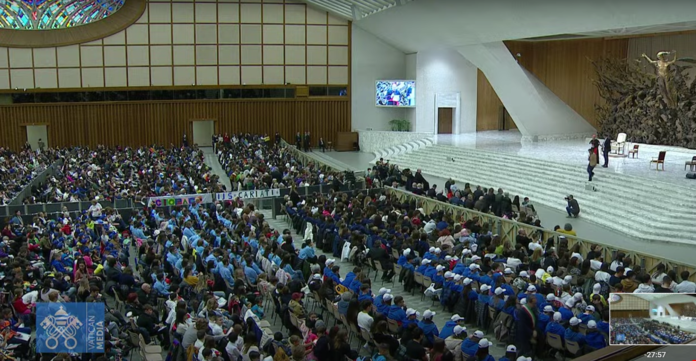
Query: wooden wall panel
{"points": [[564, 66], [488, 106], [162, 123]]}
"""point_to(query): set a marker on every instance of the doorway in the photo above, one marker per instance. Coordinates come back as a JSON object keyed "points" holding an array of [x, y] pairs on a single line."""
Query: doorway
{"points": [[444, 120], [203, 131], [37, 134]]}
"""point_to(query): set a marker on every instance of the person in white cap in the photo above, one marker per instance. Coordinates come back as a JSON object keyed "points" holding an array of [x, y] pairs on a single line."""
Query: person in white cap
{"points": [[572, 333], [429, 327], [595, 340], [424, 266], [449, 326], [554, 326], [588, 315], [411, 317], [510, 354], [521, 282], [386, 304], [544, 318], [454, 341], [430, 254], [498, 299], [482, 352], [328, 271], [403, 259], [470, 345], [380, 294], [597, 290]]}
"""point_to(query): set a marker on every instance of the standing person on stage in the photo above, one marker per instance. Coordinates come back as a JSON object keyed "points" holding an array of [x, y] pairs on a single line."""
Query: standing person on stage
{"points": [[322, 145], [606, 148], [593, 159], [298, 141]]}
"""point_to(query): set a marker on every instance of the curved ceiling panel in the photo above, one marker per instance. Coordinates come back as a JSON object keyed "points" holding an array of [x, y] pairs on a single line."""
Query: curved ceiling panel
{"points": [[45, 23]]}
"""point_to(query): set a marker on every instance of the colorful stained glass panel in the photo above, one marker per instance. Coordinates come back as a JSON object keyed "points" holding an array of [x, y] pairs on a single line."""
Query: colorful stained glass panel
{"points": [[54, 14]]}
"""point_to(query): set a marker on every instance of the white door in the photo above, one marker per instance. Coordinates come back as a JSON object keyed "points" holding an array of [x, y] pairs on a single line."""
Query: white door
{"points": [[36, 134], [203, 131]]}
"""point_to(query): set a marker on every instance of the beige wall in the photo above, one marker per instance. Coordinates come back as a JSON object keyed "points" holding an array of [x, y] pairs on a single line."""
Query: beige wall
{"points": [[206, 42]]}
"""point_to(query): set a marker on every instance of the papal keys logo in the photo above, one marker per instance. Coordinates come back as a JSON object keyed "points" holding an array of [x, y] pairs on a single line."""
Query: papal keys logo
{"points": [[70, 327]]}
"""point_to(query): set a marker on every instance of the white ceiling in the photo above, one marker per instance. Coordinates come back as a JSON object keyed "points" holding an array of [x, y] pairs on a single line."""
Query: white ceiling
{"points": [[415, 25], [355, 9], [665, 297]]}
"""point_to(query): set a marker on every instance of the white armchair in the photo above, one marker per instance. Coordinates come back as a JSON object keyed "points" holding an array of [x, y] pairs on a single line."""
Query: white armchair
{"points": [[619, 144]]}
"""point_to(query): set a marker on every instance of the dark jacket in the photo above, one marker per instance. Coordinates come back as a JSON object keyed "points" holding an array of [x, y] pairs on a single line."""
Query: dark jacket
{"points": [[147, 322], [322, 349], [574, 204]]}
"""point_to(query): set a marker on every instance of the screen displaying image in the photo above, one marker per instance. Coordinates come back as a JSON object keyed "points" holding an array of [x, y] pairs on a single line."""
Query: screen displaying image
{"points": [[395, 93]]}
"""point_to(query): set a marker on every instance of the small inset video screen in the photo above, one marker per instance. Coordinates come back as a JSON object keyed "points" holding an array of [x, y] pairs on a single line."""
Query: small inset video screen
{"points": [[652, 319]]}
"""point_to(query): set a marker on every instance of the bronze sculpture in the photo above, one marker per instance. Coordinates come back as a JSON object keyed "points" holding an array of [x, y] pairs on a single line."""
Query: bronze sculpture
{"points": [[662, 66], [650, 108]]}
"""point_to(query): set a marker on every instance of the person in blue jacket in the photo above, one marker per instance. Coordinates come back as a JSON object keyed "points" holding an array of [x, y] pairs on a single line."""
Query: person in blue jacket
{"points": [[567, 310], [430, 255], [470, 345], [429, 327], [378, 299], [510, 354], [396, 311], [411, 317], [385, 304], [555, 326], [587, 316], [403, 259], [482, 352], [572, 333], [357, 272], [544, 318], [355, 285], [448, 328], [433, 270], [498, 301], [424, 266], [365, 294], [595, 340]]}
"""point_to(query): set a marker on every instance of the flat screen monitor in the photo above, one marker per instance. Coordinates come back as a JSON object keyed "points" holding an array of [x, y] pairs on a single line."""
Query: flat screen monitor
{"points": [[395, 93]]}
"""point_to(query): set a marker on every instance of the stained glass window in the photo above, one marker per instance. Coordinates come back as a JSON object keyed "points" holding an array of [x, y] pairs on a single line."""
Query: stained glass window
{"points": [[54, 14]]}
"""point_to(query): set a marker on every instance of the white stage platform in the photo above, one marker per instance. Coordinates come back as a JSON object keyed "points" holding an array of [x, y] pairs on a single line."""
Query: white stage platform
{"points": [[574, 152]]}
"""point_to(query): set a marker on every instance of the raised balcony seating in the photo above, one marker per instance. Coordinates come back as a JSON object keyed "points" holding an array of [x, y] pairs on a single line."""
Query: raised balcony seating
{"points": [[635, 206]]}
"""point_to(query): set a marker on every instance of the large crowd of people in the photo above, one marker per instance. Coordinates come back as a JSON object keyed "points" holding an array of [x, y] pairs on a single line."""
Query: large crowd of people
{"points": [[533, 287], [126, 173], [17, 170], [259, 162], [207, 277], [643, 331]]}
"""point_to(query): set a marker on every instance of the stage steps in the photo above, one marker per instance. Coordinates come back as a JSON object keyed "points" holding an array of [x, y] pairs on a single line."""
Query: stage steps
{"points": [[407, 147], [638, 207]]}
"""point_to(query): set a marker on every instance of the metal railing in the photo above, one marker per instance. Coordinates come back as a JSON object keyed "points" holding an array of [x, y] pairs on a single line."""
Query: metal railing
{"points": [[508, 229]]}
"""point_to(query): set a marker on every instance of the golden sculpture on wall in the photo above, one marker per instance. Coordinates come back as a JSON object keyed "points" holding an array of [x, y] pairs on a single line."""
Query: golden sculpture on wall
{"points": [[664, 73], [650, 107]]}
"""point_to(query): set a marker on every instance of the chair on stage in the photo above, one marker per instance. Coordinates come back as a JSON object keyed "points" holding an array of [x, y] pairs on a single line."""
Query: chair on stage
{"points": [[619, 144], [691, 163], [633, 153], [659, 160]]}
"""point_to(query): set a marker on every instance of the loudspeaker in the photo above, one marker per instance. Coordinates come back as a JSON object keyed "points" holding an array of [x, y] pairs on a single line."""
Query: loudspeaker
{"points": [[691, 175]]}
